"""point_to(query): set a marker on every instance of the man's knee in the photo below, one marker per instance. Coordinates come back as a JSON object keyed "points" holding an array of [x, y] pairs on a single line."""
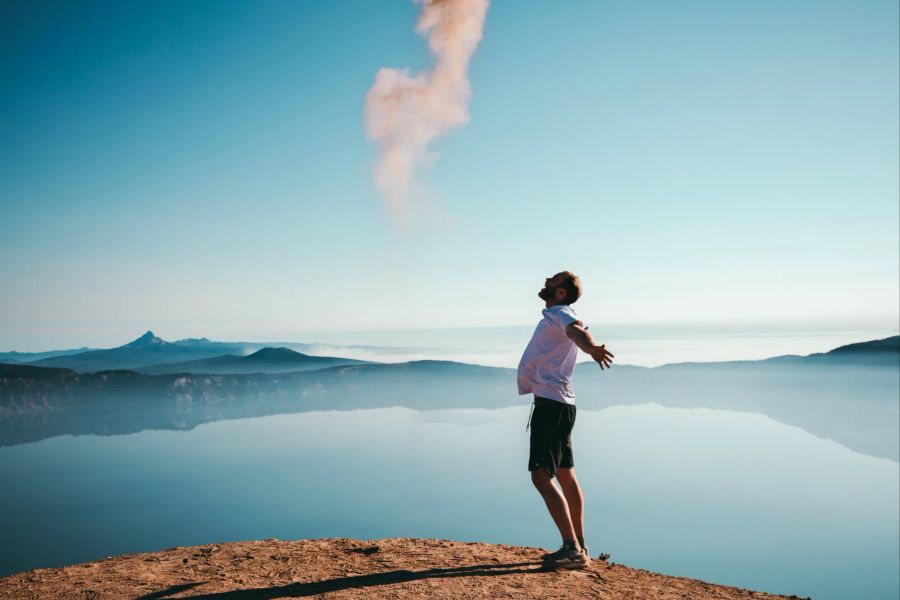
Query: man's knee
{"points": [[541, 477], [566, 476]]}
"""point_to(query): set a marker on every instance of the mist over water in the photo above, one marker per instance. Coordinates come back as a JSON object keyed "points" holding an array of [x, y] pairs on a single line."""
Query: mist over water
{"points": [[643, 345]]}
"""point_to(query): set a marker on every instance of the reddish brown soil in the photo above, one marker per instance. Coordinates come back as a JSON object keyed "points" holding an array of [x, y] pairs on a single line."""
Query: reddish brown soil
{"points": [[348, 568]]}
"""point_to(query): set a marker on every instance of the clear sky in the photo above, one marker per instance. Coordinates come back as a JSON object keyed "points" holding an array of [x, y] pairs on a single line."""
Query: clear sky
{"points": [[201, 168]]}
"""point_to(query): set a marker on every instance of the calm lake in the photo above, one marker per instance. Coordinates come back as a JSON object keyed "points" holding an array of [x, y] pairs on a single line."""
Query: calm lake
{"points": [[729, 497]]}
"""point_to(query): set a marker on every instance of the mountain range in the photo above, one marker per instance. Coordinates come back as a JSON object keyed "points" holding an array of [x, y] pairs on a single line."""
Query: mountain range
{"points": [[849, 394], [265, 360], [152, 354]]}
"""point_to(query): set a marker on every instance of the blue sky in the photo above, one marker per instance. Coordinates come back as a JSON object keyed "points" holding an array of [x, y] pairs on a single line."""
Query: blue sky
{"points": [[201, 168]]}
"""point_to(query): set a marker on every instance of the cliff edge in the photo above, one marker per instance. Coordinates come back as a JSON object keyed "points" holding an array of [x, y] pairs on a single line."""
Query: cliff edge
{"points": [[349, 568]]}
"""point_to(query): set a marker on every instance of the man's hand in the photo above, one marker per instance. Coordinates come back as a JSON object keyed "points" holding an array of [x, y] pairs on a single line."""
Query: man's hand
{"points": [[584, 340], [602, 356]]}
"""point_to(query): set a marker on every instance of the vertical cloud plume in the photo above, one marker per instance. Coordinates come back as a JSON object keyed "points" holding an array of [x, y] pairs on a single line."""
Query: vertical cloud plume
{"points": [[404, 113]]}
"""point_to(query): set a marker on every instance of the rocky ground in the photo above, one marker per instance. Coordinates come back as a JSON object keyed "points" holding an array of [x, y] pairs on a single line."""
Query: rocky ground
{"points": [[348, 568]]}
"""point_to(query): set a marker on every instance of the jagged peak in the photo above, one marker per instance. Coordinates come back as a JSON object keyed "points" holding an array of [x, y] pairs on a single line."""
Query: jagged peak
{"points": [[148, 339]]}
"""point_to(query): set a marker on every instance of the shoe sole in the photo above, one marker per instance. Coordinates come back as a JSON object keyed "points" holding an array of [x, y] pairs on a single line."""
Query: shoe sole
{"points": [[572, 566], [551, 556], [569, 565]]}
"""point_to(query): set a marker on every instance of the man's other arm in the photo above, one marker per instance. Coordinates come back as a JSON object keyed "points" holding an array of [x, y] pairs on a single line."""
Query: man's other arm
{"points": [[585, 341]]}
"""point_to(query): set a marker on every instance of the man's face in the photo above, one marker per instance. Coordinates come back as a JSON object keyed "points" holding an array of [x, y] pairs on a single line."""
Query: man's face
{"points": [[548, 293]]}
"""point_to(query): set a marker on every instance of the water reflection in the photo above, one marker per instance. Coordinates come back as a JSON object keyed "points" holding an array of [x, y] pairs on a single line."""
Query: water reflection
{"points": [[730, 497]]}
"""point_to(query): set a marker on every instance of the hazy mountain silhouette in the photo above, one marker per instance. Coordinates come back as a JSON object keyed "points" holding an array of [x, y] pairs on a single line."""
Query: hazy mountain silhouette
{"points": [[884, 352], [24, 357], [153, 352], [879, 353], [849, 394], [265, 360], [145, 350]]}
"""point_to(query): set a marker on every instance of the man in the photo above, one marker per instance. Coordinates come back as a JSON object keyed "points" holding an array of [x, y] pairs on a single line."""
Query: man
{"points": [[546, 370]]}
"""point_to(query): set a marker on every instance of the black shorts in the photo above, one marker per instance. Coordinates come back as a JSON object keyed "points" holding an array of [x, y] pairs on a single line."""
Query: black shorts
{"points": [[551, 435]]}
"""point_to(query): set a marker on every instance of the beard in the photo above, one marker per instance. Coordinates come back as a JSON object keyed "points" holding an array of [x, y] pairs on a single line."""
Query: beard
{"points": [[544, 294]]}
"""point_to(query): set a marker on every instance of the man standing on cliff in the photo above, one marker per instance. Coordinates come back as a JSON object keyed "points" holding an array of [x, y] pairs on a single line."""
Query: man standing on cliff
{"points": [[546, 371]]}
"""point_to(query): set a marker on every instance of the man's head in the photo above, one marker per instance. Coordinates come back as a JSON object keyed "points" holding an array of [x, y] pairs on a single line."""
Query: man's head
{"points": [[562, 288]]}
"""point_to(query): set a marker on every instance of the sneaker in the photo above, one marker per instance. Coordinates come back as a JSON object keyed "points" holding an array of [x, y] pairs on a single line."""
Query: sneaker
{"points": [[554, 555], [567, 557], [558, 553]]}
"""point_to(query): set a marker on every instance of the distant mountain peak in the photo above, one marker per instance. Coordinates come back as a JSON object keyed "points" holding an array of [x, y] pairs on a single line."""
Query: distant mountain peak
{"points": [[269, 353], [148, 339]]}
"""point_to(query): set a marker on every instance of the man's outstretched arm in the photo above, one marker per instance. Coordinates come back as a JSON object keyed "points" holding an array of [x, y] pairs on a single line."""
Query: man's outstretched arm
{"points": [[585, 341]]}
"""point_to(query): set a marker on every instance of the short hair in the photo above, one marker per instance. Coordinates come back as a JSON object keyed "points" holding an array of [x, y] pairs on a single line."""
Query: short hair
{"points": [[572, 285]]}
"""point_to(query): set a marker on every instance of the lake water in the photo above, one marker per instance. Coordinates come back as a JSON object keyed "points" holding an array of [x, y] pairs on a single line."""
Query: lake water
{"points": [[728, 497]]}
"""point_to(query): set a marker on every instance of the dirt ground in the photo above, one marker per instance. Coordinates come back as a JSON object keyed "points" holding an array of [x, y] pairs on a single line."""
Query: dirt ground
{"points": [[348, 568]]}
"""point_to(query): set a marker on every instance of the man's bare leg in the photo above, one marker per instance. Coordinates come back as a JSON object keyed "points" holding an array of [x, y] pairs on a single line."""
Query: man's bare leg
{"points": [[574, 500], [556, 503]]}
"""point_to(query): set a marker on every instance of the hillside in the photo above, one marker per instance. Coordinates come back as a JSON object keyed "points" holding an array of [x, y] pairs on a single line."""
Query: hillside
{"points": [[24, 357], [884, 352], [348, 568], [264, 360]]}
